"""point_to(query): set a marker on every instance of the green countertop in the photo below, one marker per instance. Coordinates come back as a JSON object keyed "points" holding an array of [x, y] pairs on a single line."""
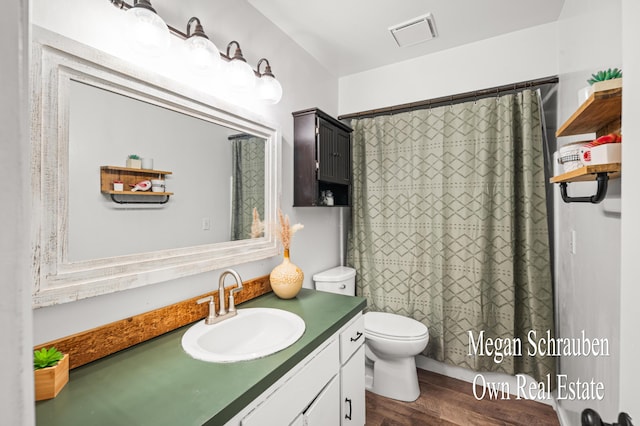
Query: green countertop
{"points": [[157, 383]]}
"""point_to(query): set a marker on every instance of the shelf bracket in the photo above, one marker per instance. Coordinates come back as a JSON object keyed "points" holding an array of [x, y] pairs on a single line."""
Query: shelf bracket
{"points": [[166, 200], [602, 179]]}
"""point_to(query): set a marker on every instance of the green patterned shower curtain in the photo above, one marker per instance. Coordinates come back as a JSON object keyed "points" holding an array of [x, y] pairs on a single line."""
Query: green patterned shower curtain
{"points": [[248, 183], [450, 226]]}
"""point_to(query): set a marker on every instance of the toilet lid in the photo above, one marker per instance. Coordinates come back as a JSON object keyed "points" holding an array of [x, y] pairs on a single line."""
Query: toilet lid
{"points": [[392, 326]]}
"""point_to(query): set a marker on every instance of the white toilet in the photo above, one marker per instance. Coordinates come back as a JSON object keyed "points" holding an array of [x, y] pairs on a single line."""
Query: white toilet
{"points": [[391, 341]]}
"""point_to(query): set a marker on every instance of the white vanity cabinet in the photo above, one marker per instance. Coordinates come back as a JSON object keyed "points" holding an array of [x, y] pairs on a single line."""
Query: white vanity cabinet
{"points": [[324, 389]]}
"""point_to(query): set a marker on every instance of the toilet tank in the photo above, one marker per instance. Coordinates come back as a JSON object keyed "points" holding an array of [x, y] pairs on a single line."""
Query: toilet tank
{"points": [[341, 279]]}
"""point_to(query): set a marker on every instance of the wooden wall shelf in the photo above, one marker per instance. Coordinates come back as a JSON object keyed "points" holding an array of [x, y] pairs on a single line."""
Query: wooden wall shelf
{"points": [[600, 110], [600, 113], [588, 173], [129, 176], [137, 193]]}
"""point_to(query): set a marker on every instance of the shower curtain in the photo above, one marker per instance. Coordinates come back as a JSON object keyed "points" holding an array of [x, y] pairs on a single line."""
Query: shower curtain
{"points": [[248, 183], [450, 226]]}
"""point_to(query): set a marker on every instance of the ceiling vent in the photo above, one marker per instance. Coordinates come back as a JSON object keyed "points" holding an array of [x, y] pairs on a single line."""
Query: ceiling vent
{"points": [[414, 31]]}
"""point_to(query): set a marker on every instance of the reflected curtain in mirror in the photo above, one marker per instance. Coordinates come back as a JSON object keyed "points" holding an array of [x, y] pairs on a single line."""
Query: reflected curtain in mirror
{"points": [[248, 183]]}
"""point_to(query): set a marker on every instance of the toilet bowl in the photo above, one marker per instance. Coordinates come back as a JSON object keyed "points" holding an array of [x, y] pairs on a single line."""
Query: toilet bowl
{"points": [[391, 342]]}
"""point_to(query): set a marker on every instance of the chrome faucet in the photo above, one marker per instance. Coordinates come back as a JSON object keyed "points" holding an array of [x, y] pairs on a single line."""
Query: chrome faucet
{"points": [[222, 314]]}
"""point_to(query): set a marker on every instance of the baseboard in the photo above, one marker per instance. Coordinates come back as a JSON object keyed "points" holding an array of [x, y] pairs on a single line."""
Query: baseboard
{"points": [[564, 416]]}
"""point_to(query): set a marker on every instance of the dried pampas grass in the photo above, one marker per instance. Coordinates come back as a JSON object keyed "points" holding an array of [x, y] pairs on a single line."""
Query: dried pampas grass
{"points": [[257, 226], [286, 231]]}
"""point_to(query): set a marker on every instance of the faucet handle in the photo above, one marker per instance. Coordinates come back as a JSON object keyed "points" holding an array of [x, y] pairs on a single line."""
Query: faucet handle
{"points": [[211, 316], [232, 305], [205, 300]]}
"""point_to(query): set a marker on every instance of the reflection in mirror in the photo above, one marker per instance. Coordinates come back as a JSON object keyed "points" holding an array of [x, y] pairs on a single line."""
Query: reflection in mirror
{"points": [[248, 184], [92, 110], [217, 177]]}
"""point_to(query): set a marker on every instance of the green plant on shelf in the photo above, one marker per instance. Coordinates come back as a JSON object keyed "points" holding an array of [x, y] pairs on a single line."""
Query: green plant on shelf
{"points": [[134, 157], [608, 74], [46, 358]]}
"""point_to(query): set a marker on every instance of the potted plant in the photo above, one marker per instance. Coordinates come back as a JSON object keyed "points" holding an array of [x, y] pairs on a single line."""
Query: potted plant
{"points": [[602, 80], [134, 162], [51, 372], [605, 80]]}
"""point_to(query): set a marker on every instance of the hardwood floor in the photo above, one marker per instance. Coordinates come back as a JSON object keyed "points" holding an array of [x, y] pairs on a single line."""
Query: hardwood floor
{"points": [[445, 401]]}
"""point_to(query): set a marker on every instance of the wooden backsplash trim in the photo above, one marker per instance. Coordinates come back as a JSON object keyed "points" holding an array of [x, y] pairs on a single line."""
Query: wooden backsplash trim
{"points": [[107, 339]]}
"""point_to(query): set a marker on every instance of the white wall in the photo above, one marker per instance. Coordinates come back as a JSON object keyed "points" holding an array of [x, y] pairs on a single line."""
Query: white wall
{"points": [[511, 58], [306, 84], [629, 289], [588, 282], [16, 378]]}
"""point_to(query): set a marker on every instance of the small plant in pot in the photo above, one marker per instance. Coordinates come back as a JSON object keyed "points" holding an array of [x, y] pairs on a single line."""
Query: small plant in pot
{"points": [[51, 372], [134, 161], [602, 80], [610, 74]]}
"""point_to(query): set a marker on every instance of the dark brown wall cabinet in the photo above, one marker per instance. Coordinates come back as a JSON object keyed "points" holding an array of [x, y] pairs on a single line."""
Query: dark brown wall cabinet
{"points": [[322, 159]]}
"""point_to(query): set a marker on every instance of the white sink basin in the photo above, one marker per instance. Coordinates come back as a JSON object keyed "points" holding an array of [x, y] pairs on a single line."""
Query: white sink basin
{"points": [[252, 333]]}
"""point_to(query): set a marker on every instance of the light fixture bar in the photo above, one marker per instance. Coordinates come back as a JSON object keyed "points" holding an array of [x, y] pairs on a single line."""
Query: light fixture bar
{"points": [[269, 85], [121, 4]]}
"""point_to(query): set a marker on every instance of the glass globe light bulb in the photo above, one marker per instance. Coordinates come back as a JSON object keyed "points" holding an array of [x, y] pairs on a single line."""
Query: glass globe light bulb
{"points": [[148, 32], [203, 54], [240, 75], [269, 89]]}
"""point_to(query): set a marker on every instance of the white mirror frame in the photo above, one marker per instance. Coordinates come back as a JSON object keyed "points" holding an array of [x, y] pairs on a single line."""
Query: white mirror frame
{"points": [[56, 61]]}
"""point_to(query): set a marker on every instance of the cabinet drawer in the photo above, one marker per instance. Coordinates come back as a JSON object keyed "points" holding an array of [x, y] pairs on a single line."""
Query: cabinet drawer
{"points": [[296, 394], [351, 338]]}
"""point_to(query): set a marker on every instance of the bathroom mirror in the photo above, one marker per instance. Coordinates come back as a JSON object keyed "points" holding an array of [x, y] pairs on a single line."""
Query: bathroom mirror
{"points": [[217, 161]]}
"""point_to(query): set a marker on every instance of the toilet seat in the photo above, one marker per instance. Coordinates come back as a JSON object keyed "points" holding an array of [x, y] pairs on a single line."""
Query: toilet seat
{"points": [[393, 327]]}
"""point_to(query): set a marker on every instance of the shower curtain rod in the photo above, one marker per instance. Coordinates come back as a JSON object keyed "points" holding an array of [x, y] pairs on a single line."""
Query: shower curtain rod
{"points": [[450, 100]]}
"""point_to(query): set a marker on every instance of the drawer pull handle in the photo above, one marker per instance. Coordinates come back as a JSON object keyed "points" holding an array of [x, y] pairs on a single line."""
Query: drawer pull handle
{"points": [[358, 335], [348, 416]]}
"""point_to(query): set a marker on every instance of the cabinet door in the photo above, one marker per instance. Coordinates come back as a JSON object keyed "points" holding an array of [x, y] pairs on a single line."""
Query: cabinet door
{"points": [[352, 398], [283, 405], [327, 151], [343, 157], [325, 409], [334, 153]]}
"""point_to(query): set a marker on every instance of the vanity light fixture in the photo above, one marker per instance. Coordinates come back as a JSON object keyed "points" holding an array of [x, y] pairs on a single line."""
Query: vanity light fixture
{"points": [[148, 32], [269, 89], [203, 54], [240, 75]]}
